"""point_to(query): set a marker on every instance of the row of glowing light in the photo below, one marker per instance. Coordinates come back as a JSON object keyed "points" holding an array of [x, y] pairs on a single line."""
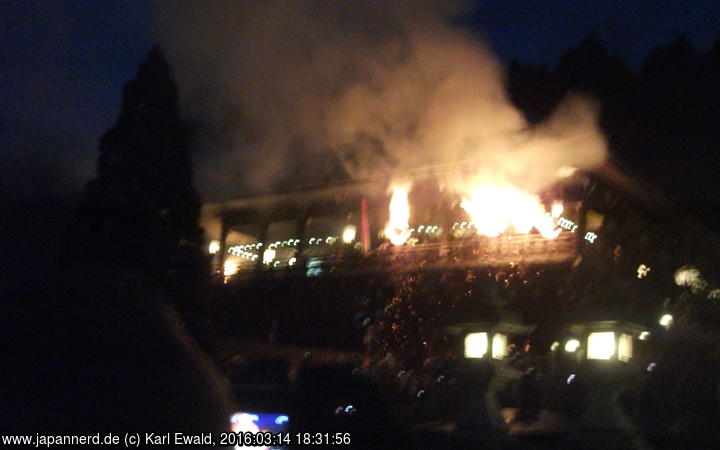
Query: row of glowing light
{"points": [[600, 344], [493, 209], [349, 237], [569, 225], [235, 249], [563, 222], [230, 267]]}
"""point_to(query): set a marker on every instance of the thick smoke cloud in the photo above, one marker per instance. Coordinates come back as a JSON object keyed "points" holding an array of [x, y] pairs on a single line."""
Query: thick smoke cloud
{"points": [[293, 93]]}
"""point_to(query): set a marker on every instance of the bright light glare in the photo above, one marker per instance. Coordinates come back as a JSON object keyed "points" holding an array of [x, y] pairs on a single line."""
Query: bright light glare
{"points": [[230, 268], [497, 207], [268, 256], [214, 247], [644, 335], [571, 345], [601, 345], [499, 344], [666, 320], [476, 345], [397, 230], [244, 422], [348, 235], [292, 261], [554, 346]]}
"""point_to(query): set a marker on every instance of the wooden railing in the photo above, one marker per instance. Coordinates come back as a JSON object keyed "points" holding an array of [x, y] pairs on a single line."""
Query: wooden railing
{"points": [[476, 252], [480, 251]]}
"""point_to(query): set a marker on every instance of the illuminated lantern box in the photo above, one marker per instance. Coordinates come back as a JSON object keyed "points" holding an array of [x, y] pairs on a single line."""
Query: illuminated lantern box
{"points": [[601, 341], [487, 340]]}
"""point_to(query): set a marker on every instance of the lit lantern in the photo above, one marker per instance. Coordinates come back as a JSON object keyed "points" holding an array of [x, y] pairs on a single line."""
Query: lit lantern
{"points": [[601, 345], [499, 346], [476, 345], [625, 347], [604, 340], [485, 339]]}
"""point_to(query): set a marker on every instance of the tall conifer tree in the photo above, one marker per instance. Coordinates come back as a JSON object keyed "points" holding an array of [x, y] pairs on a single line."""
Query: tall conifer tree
{"points": [[141, 213]]}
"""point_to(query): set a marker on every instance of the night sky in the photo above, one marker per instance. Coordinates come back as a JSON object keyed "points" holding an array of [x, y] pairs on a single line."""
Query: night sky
{"points": [[64, 64]]}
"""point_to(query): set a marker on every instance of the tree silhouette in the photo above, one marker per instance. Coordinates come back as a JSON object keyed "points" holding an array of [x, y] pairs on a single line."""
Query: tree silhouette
{"points": [[141, 213]]}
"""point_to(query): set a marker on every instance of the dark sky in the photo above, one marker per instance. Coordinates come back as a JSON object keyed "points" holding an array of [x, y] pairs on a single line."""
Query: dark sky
{"points": [[540, 30], [63, 66], [64, 63]]}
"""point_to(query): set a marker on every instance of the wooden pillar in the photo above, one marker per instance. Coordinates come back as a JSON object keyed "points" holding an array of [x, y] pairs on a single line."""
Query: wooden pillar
{"points": [[224, 229], [300, 225], [364, 226]]}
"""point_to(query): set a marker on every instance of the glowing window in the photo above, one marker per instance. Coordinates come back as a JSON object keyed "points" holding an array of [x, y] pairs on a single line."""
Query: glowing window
{"points": [[601, 345], [625, 347], [476, 345], [499, 344], [348, 235]]}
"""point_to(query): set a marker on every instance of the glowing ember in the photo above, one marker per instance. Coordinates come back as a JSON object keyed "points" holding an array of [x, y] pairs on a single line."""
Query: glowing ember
{"points": [[496, 208], [397, 230]]}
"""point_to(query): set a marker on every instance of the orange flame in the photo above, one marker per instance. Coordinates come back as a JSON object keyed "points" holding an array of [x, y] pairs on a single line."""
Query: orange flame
{"points": [[496, 208], [397, 228]]}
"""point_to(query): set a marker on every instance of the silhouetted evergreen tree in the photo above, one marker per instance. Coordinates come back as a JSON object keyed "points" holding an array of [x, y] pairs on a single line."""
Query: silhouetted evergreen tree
{"points": [[141, 213], [680, 125]]}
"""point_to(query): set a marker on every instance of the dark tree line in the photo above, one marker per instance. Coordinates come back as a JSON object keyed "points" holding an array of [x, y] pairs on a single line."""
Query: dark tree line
{"points": [[663, 120]]}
